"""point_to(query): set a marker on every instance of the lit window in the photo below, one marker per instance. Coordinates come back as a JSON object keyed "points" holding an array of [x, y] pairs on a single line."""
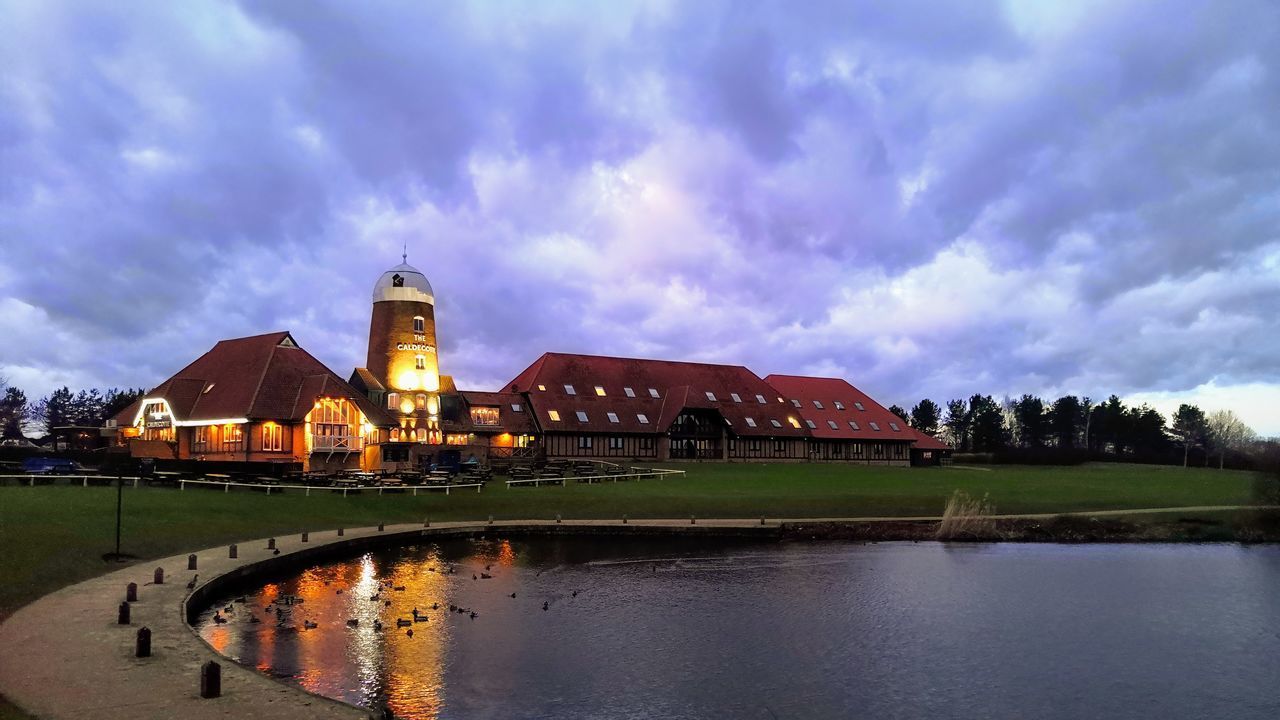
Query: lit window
{"points": [[817, 404], [568, 390], [484, 416], [613, 417], [839, 405], [600, 390], [751, 422], [760, 399], [393, 401], [420, 362], [582, 416], [859, 406], [421, 401], [853, 424], [874, 425], [542, 388], [515, 407], [644, 419], [554, 415], [207, 389], [629, 392], [653, 393], [832, 424], [795, 402], [736, 397], [775, 423], [711, 396], [810, 424], [419, 325], [202, 435], [894, 427]]}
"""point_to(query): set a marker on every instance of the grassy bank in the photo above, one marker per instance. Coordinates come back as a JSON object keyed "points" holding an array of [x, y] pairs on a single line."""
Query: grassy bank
{"points": [[55, 535]]}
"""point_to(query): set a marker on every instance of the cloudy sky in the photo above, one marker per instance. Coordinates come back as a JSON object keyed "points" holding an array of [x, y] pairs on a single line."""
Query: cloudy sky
{"points": [[928, 199]]}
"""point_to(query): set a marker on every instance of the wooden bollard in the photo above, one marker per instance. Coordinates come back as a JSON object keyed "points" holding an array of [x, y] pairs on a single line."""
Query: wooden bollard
{"points": [[158, 579], [232, 552], [340, 532], [490, 519], [381, 526], [131, 592], [191, 562], [426, 522], [762, 521], [142, 646], [557, 518], [304, 537], [122, 617], [693, 520], [624, 519], [271, 543], [210, 680]]}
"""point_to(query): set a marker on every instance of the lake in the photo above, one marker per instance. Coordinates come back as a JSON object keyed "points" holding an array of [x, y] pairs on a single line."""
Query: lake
{"points": [[704, 628]]}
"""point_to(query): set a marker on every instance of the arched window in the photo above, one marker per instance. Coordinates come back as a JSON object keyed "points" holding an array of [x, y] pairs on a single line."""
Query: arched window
{"points": [[421, 400], [395, 434], [419, 324], [393, 401]]}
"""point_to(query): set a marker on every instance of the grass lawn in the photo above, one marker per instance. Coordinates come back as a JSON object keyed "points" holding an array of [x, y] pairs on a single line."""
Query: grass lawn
{"points": [[55, 535]]}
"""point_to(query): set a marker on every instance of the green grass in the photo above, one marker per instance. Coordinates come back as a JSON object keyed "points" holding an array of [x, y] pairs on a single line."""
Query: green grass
{"points": [[56, 535]]}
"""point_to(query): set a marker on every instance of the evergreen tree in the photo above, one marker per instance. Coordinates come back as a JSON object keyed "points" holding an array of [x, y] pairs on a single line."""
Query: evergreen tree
{"points": [[14, 412], [897, 410], [926, 416], [1029, 414], [1065, 419], [958, 423], [986, 424], [56, 409], [1190, 428]]}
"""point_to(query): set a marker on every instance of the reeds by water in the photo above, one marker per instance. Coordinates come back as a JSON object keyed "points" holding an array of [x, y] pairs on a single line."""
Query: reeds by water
{"points": [[966, 518]]}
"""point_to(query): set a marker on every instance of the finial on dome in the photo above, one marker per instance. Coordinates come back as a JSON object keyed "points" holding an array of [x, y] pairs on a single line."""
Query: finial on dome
{"points": [[404, 255]]}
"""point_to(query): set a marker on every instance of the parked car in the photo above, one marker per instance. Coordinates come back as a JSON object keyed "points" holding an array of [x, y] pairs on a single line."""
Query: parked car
{"points": [[51, 466]]}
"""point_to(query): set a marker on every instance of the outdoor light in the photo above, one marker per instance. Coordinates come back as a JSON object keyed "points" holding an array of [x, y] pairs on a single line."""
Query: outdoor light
{"points": [[406, 406]]}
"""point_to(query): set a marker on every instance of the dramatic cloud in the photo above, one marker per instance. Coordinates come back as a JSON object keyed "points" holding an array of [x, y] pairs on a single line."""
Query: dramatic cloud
{"points": [[929, 199]]}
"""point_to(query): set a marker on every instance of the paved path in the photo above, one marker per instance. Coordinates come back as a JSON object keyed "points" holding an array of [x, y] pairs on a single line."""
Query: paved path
{"points": [[64, 656]]}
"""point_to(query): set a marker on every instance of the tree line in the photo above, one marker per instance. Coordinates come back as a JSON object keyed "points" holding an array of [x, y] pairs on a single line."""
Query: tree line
{"points": [[1031, 428], [89, 408]]}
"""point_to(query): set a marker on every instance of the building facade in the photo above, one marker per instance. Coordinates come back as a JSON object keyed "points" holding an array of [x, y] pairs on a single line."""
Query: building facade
{"points": [[264, 401]]}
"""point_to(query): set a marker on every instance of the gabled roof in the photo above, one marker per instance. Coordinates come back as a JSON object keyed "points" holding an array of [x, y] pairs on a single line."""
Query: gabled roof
{"points": [[679, 385], [829, 391], [364, 381], [262, 377]]}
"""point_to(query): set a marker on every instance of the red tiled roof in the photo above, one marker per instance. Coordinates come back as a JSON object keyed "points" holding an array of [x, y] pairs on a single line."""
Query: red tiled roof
{"points": [[928, 442], [829, 391], [263, 377], [679, 385]]}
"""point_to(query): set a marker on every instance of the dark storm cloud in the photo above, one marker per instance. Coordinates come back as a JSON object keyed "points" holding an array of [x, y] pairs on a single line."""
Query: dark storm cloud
{"points": [[928, 198]]}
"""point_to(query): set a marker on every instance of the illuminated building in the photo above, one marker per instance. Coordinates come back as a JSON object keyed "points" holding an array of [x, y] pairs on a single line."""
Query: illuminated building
{"points": [[263, 399]]}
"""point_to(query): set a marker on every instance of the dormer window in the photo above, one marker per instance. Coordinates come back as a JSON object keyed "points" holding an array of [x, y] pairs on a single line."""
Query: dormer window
{"points": [[751, 422], [613, 417], [760, 399], [653, 393], [859, 406], [795, 402], [810, 424], [582, 416], [736, 397], [642, 418], [600, 391], [629, 392], [817, 404], [839, 405], [832, 424], [774, 422], [711, 396], [397, 280], [568, 390], [419, 324]]}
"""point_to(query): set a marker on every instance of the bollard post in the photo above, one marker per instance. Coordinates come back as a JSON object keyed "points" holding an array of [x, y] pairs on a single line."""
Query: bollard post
{"points": [[271, 543], [624, 519], [122, 618], [210, 680], [381, 526], [693, 520], [426, 522], [304, 537], [557, 518], [142, 647], [490, 519], [762, 520], [191, 562], [340, 532], [131, 592], [232, 552], [158, 579]]}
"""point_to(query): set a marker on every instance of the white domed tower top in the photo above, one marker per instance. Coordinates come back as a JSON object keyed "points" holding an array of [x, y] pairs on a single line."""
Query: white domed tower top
{"points": [[403, 282]]}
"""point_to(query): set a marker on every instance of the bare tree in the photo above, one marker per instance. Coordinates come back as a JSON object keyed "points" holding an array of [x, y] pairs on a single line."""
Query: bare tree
{"points": [[1228, 432]]}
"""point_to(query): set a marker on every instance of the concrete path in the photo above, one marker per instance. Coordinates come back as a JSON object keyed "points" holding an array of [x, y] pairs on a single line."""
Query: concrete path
{"points": [[64, 656]]}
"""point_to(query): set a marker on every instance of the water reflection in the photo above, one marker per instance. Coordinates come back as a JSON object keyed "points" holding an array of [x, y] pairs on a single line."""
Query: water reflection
{"points": [[677, 629]]}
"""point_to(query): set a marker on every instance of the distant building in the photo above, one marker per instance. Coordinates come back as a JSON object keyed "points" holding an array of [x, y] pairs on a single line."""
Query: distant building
{"points": [[263, 400]]}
